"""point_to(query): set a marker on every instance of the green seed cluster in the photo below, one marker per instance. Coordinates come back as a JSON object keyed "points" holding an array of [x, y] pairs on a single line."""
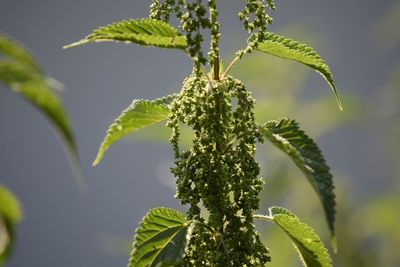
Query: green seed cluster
{"points": [[255, 20], [217, 177], [193, 19], [162, 11], [219, 172], [213, 55]]}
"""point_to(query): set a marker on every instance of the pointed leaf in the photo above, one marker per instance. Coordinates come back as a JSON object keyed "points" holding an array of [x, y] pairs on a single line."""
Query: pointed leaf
{"points": [[10, 208], [286, 48], [287, 136], [147, 32], [5, 241], [20, 72], [139, 114], [160, 239], [12, 49], [10, 214], [311, 250], [34, 88]]}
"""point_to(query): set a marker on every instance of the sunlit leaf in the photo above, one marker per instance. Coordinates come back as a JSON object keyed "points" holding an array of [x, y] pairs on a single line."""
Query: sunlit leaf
{"points": [[287, 136], [289, 49], [312, 251], [139, 114], [160, 239], [147, 32]]}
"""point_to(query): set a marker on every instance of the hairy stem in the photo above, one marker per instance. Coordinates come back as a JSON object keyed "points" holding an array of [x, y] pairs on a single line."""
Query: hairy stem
{"points": [[230, 66]]}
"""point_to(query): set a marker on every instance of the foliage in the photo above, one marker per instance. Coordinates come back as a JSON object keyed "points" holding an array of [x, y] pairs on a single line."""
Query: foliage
{"points": [[147, 32], [10, 215], [309, 246], [22, 74], [287, 136], [218, 173], [160, 239], [139, 114], [286, 48]]}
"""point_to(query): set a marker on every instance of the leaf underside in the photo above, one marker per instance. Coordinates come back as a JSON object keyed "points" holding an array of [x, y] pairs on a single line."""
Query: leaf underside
{"points": [[20, 72], [146, 32], [287, 136], [10, 214], [139, 114], [289, 49], [310, 248], [160, 239]]}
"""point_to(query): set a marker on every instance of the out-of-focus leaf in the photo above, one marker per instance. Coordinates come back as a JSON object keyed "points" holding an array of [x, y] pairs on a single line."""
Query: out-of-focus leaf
{"points": [[10, 214], [14, 50], [20, 72]]}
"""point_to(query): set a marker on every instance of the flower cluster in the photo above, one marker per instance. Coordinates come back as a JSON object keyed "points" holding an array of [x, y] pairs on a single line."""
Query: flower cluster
{"points": [[219, 171], [255, 20]]}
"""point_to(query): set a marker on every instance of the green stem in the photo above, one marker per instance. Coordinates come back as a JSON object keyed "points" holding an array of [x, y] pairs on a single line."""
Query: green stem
{"points": [[230, 66], [214, 52], [205, 226], [216, 67], [265, 217]]}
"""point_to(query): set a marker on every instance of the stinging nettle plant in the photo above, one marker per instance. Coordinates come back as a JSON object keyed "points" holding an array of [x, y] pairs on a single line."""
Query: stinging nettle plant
{"points": [[218, 176]]}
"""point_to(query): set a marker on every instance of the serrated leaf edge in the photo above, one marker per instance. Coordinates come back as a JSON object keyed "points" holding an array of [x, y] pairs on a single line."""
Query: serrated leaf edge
{"points": [[306, 227], [321, 67], [147, 217], [140, 37], [300, 162], [105, 145]]}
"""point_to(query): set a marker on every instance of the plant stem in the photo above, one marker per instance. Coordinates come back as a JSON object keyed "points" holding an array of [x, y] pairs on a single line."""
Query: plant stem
{"points": [[265, 217], [214, 45], [230, 66], [216, 66]]}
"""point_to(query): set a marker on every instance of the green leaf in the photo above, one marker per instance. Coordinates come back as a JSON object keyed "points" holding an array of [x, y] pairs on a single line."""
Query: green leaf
{"points": [[139, 114], [10, 214], [311, 250], [10, 209], [287, 136], [20, 72], [5, 241], [147, 32], [35, 88], [12, 49], [160, 239], [286, 48]]}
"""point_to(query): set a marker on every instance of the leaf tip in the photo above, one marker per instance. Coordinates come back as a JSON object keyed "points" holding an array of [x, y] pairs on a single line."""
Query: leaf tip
{"points": [[334, 244], [74, 161], [339, 103], [75, 44], [98, 158], [96, 161], [67, 46]]}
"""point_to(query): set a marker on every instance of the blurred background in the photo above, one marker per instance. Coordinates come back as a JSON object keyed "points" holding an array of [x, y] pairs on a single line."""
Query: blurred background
{"points": [[65, 227]]}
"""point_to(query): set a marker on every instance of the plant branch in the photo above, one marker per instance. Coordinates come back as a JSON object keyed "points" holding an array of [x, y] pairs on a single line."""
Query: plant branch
{"points": [[236, 59], [265, 217]]}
